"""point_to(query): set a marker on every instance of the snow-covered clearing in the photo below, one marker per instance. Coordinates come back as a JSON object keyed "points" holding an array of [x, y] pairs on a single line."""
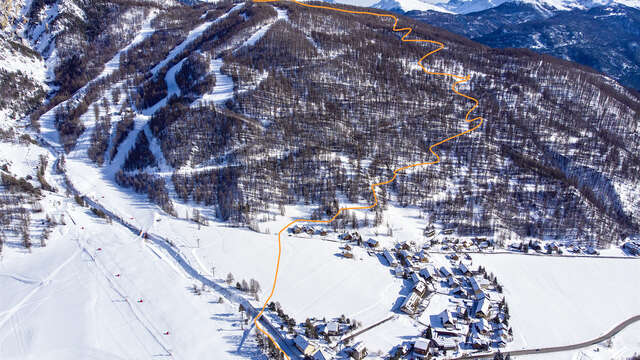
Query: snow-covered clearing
{"points": [[82, 300], [191, 37], [559, 301], [223, 90], [256, 36]]}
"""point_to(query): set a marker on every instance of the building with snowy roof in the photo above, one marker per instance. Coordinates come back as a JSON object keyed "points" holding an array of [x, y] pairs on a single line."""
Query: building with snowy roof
{"points": [[445, 272], [305, 347], [481, 308], [411, 303], [390, 258]]}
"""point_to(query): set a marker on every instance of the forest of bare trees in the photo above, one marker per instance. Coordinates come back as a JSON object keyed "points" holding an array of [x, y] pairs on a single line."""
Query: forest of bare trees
{"points": [[318, 115]]}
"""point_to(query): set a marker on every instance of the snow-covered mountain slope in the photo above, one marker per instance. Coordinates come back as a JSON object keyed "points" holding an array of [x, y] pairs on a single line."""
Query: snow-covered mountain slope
{"points": [[575, 35], [471, 6], [191, 117], [407, 5]]}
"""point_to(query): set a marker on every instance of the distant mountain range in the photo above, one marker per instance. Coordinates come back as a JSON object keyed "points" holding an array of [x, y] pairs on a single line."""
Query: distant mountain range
{"points": [[470, 6], [604, 37]]}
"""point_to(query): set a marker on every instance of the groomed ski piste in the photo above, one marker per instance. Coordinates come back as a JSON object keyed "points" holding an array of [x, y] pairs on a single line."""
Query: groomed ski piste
{"points": [[100, 291]]}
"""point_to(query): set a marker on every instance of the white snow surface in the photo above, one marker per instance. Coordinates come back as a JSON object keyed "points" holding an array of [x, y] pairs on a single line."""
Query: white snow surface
{"points": [[408, 5], [223, 90], [559, 301], [469, 6], [73, 305], [256, 36]]}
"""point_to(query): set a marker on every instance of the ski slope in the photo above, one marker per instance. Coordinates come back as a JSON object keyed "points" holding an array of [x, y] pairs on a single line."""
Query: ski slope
{"points": [[82, 301]]}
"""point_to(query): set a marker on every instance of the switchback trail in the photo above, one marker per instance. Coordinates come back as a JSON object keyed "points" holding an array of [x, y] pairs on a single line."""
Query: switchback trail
{"points": [[459, 79]]}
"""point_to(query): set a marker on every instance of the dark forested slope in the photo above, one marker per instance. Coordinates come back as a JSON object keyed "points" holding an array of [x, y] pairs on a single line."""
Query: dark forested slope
{"points": [[326, 103]]}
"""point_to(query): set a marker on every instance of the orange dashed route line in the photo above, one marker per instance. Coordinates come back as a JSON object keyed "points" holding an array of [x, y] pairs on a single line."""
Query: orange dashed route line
{"points": [[459, 79]]}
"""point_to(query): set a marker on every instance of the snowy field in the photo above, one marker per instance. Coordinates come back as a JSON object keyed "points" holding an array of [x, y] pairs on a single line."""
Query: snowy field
{"points": [[559, 301], [78, 298]]}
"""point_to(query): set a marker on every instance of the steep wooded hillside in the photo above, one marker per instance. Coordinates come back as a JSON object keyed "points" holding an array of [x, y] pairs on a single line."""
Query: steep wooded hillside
{"points": [[324, 104]]}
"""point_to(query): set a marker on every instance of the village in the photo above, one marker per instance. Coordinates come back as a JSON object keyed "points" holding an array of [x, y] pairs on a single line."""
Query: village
{"points": [[459, 306]]}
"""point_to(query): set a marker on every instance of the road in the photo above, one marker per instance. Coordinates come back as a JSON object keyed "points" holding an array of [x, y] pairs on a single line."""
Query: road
{"points": [[359, 332], [502, 252], [553, 349]]}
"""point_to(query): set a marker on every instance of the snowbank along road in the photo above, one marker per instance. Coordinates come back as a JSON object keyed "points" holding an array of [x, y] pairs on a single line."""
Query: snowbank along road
{"points": [[459, 79]]}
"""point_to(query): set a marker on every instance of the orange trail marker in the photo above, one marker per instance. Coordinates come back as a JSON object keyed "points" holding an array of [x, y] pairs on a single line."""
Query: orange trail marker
{"points": [[459, 80]]}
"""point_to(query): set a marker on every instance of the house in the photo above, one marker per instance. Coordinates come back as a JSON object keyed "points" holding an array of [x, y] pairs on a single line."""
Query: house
{"points": [[535, 245], [481, 295], [323, 232], [411, 303], [452, 283], [501, 334], [482, 282], [322, 354], [444, 343], [479, 343], [420, 288], [410, 265], [404, 254], [500, 343], [592, 251], [632, 247], [482, 326], [475, 287], [427, 274], [373, 243], [458, 291], [296, 229], [453, 332], [447, 319], [461, 312], [481, 308], [415, 278], [332, 328], [464, 270], [399, 271], [422, 256], [421, 348], [347, 254], [310, 230], [445, 272], [448, 231], [358, 351], [390, 258], [305, 347]]}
